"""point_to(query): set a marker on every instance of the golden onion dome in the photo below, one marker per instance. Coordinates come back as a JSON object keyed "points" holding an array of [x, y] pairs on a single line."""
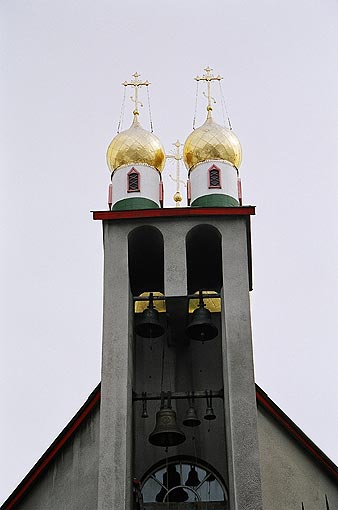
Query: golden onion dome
{"points": [[211, 142], [135, 145]]}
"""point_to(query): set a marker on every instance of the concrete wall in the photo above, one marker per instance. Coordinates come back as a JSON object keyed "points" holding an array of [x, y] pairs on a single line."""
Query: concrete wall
{"points": [[70, 482], [237, 365], [115, 476], [289, 474]]}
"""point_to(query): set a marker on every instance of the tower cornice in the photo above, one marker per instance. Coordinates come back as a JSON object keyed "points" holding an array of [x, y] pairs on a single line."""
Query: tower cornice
{"points": [[171, 212]]}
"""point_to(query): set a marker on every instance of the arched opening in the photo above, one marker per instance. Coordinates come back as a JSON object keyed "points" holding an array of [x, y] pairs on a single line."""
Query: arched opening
{"points": [[204, 259], [183, 482], [146, 260]]}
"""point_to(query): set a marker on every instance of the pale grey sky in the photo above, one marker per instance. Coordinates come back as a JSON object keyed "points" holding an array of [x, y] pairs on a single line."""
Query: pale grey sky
{"points": [[62, 66]]}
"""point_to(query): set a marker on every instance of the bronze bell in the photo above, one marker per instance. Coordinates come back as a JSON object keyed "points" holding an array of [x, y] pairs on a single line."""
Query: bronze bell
{"points": [[166, 433], [201, 326], [209, 413], [149, 325], [191, 419]]}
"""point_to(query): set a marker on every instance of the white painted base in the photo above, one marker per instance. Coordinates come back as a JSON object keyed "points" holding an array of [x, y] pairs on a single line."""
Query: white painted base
{"points": [[199, 180], [149, 183]]}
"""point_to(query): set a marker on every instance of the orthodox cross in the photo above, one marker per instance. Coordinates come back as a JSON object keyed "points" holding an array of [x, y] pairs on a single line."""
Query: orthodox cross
{"points": [[208, 77], [136, 84], [178, 156]]}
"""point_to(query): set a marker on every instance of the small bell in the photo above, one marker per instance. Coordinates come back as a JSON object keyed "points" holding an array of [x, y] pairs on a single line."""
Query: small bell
{"points": [[191, 419], [209, 413], [144, 406], [201, 326], [149, 325], [166, 433], [192, 480]]}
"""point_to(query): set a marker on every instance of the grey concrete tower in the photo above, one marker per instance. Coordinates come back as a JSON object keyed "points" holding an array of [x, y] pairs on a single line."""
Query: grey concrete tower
{"points": [[178, 252]]}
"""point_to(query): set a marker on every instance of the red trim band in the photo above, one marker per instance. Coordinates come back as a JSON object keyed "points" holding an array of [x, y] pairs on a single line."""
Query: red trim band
{"points": [[172, 212]]}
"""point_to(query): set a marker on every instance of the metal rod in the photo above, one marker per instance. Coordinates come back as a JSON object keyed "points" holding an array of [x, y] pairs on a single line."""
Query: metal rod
{"points": [[180, 395], [189, 296]]}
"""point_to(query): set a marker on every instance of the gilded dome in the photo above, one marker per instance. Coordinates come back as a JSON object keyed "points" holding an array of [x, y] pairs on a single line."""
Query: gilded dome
{"points": [[135, 145], [211, 142]]}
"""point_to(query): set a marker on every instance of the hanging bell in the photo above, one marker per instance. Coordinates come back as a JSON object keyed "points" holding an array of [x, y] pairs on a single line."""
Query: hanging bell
{"points": [[191, 419], [201, 326], [209, 413], [149, 325], [166, 433], [192, 480], [144, 406]]}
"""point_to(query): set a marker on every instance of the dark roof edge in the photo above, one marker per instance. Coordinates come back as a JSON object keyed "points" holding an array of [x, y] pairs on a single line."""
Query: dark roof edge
{"points": [[94, 398], [55, 447], [296, 432]]}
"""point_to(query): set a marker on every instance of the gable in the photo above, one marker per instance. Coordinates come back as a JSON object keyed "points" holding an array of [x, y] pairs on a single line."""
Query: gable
{"points": [[293, 470], [67, 473]]}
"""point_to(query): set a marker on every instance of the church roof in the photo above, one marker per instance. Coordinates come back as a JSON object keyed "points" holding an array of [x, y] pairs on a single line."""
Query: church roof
{"points": [[263, 401]]}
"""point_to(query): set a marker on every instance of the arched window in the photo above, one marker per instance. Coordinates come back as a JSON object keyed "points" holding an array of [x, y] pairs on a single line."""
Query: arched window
{"points": [[214, 177], [133, 180], [186, 483]]}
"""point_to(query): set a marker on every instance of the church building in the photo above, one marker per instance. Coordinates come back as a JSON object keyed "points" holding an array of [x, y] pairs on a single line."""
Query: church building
{"points": [[177, 422]]}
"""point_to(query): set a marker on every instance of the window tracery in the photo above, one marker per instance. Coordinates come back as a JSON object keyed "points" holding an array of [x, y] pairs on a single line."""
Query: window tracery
{"points": [[133, 180], [214, 177], [184, 482]]}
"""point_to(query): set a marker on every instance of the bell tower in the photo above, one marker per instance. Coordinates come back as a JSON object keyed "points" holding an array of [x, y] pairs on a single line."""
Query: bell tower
{"points": [[178, 425]]}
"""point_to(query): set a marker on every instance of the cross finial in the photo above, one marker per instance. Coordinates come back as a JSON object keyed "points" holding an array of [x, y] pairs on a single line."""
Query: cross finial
{"points": [[209, 77], [136, 83], [177, 156]]}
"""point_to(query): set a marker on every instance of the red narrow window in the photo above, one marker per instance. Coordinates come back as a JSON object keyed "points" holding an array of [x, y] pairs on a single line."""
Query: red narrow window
{"points": [[239, 187], [214, 177], [161, 193], [133, 180], [110, 196], [188, 191]]}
